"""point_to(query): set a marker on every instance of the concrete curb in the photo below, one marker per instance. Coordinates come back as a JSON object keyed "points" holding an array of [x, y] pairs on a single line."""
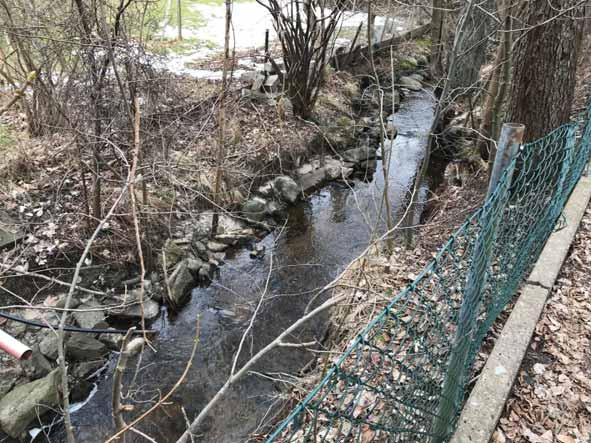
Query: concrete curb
{"points": [[484, 407]]}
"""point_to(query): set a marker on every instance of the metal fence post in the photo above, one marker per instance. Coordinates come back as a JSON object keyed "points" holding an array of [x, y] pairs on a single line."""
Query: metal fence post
{"points": [[455, 377]]}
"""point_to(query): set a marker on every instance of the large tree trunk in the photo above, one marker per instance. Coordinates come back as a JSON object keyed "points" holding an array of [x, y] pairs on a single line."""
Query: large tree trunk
{"points": [[471, 51], [545, 64], [438, 37]]}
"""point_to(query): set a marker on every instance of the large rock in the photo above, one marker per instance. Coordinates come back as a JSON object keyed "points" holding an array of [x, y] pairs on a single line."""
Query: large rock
{"points": [[312, 180], [90, 316], [8, 378], [254, 209], [26, 402], [134, 312], [48, 345], [181, 284], [87, 368], [173, 252], [334, 170], [410, 83], [214, 246], [335, 135], [422, 60], [84, 347], [417, 77], [37, 366], [274, 209], [286, 188], [358, 155], [408, 62], [194, 264]]}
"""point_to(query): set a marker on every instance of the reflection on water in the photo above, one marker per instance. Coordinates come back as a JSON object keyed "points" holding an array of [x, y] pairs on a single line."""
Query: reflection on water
{"points": [[321, 236]]}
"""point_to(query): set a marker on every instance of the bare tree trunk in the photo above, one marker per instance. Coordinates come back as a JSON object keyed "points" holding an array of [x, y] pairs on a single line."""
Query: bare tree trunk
{"points": [[438, 33], [179, 20], [385, 155], [545, 65], [471, 52], [497, 86], [222, 122]]}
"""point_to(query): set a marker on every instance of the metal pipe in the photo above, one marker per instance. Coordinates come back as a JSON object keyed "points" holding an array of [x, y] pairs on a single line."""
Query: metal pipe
{"points": [[12, 346], [509, 142]]}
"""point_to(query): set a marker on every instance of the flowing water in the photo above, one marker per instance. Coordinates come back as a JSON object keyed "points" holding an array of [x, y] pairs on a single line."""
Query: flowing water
{"points": [[323, 234]]}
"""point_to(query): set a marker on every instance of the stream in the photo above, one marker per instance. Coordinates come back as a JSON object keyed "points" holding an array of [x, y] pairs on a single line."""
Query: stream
{"points": [[322, 235]]}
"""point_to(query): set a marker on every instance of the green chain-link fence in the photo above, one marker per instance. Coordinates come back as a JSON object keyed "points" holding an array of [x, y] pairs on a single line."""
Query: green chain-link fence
{"points": [[403, 378]]}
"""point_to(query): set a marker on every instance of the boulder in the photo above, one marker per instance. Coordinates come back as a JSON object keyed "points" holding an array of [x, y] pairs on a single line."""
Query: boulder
{"points": [[8, 378], [111, 341], [61, 301], [266, 190], [90, 319], [304, 169], [254, 209], [369, 165], [84, 347], [26, 402], [201, 230], [417, 77], [410, 83], [181, 284], [358, 155], [218, 257], [87, 368], [174, 253], [80, 390], [194, 264], [334, 170], [205, 273], [48, 345], [214, 246], [199, 249], [273, 208], [422, 60], [335, 135], [312, 180], [37, 366], [134, 312], [409, 62], [286, 189]]}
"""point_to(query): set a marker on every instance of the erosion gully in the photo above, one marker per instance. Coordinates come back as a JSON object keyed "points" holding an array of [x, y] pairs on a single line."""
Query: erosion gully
{"points": [[322, 234]]}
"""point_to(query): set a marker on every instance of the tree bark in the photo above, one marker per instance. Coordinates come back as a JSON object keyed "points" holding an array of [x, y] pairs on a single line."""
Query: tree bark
{"points": [[545, 65], [438, 14]]}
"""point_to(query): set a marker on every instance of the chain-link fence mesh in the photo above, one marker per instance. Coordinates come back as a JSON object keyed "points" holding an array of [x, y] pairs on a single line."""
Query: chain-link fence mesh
{"points": [[403, 378]]}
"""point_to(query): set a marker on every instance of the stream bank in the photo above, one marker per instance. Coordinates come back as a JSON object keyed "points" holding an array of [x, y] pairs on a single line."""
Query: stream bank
{"points": [[313, 239], [321, 235]]}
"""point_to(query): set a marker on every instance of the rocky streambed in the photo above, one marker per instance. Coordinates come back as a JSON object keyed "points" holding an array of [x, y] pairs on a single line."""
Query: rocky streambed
{"points": [[291, 237]]}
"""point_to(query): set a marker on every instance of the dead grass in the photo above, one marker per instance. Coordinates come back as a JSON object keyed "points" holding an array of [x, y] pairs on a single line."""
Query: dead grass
{"points": [[42, 183]]}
